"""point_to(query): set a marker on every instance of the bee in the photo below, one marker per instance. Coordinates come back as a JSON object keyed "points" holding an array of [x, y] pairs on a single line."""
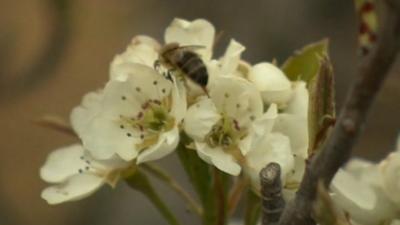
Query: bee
{"points": [[184, 59]]}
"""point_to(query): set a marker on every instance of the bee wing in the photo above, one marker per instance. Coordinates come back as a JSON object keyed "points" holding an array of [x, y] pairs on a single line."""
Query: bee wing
{"points": [[192, 47]]}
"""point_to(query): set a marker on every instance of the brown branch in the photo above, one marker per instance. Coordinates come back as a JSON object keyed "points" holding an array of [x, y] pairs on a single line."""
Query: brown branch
{"points": [[271, 192], [371, 74]]}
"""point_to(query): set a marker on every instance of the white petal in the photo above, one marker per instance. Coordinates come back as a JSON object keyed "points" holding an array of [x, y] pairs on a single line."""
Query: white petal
{"points": [[230, 61], [357, 167], [237, 98], [179, 103], [296, 129], [296, 175], [198, 32], [143, 83], [200, 118], [390, 174], [63, 163], [258, 129], [166, 144], [349, 189], [75, 188], [218, 158], [83, 114], [272, 82], [104, 138], [274, 147], [298, 104], [142, 50], [364, 203]]}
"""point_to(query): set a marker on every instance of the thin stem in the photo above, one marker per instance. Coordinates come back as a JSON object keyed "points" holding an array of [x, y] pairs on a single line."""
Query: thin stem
{"points": [[220, 197], [138, 181], [337, 150], [236, 193], [163, 176], [56, 123]]}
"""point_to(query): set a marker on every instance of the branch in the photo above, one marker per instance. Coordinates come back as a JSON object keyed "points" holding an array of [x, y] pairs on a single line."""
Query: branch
{"points": [[271, 191], [371, 74]]}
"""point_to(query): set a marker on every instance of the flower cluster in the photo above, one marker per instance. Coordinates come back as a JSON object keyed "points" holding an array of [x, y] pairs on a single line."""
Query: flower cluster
{"points": [[246, 116], [369, 192]]}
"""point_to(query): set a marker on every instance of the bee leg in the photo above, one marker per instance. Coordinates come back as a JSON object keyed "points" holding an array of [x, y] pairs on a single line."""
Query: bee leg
{"points": [[168, 75], [205, 91], [157, 65]]}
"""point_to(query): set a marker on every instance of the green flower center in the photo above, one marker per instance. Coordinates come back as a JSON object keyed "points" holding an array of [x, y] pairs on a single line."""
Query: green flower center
{"points": [[226, 133], [153, 119]]}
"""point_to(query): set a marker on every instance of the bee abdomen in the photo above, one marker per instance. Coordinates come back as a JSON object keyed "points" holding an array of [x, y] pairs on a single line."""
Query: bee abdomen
{"points": [[194, 68]]}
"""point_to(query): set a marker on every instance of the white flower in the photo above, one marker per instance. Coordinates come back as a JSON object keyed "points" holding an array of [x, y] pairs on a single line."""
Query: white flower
{"points": [[137, 118], [226, 126], [357, 190], [141, 50], [75, 174], [273, 84], [293, 121], [198, 32], [273, 147], [390, 173]]}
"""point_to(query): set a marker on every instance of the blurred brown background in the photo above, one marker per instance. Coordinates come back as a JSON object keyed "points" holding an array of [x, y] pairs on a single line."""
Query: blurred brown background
{"points": [[53, 52]]}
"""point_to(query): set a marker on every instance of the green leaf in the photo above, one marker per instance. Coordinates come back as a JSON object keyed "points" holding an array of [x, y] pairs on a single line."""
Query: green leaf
{"points": [[304, 64], [321, 108], [201, 177], [253, 208], [138, 181]]}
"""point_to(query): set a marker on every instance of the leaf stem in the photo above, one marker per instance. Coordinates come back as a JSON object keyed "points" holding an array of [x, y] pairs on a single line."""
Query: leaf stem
{"points": [[236, 193], [163, 176], [140, 182]]}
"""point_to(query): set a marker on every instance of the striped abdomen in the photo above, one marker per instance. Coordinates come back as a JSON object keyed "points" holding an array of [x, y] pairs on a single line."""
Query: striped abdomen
{"points": [[192, 65]]}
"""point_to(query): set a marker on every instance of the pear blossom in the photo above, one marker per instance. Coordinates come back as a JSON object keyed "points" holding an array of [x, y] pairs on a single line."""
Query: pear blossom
{"points": [[357, 190], [273, 147], [226, 126], [273, 84], [134, 119], [75, 174], [141, 50], [293, 120], [390, 170]]}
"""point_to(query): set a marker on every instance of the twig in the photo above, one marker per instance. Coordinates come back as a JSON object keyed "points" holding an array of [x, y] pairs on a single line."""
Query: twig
{"points": [[371, 74], [55, 123], [271, 192], [220, 197], [236, 193], [160, 174]]}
